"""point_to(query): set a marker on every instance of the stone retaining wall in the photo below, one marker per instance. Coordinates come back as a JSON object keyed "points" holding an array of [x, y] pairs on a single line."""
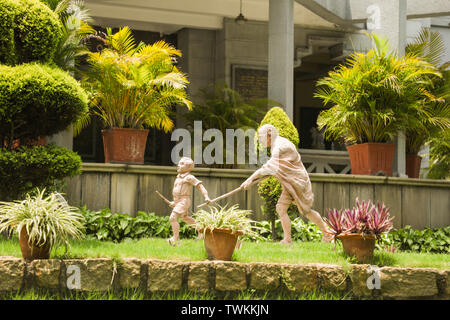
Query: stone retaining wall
{"points": [[152, 275]]}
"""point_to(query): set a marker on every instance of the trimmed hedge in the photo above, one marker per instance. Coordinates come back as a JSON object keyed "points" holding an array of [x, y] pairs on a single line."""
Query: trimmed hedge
{"points": [[37, 100], [24, 169], [29, 31]]}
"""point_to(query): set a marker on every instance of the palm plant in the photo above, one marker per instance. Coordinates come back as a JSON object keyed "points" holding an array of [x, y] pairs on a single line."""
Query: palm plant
{"points": [[134, 86], [75, 19], [373, 95], [434, 114], [46, 218]]}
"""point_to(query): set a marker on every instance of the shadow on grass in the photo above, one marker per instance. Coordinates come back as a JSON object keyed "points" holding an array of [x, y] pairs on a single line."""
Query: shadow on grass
{"points": [[380, 258]]}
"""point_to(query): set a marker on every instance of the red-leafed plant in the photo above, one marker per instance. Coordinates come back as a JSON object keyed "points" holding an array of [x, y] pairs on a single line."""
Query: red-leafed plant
{"points": [[365, 218]]}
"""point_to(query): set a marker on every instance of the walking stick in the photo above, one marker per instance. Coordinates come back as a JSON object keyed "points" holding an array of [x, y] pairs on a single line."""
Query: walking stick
{"points": [[162, 197], [229, 193]]}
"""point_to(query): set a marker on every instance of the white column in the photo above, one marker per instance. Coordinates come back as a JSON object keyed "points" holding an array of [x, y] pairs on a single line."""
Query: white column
{"points": [[388, 18], [281, 54]]}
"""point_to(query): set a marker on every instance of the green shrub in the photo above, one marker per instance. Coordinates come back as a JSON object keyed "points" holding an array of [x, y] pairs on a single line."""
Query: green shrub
{"points": [[24, 169], [37, 100], [104, 225], [29, 31], [436, 240], [270, 189]]}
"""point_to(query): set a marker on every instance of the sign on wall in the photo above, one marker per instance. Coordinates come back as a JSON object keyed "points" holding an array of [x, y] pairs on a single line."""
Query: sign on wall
{"points": [[250, 82]]}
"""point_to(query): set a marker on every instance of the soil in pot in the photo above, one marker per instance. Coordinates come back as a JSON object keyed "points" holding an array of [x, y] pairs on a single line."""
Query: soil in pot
{"points": [[32, 252], [359, 246], [220, 243], [124, 145], [371, 158]]}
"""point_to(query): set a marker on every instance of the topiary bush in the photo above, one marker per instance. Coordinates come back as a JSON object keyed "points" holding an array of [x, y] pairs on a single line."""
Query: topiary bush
{"points": [[270, 189], [27, 168], [29, 31], [37, 100]]}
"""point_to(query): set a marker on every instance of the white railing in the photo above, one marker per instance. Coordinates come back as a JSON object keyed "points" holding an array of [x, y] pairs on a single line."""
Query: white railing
{"points": [[325, 161]]}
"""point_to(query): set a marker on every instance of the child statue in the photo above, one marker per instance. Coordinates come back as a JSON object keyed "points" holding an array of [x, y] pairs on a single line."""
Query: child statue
{"points": [[182, 197]]}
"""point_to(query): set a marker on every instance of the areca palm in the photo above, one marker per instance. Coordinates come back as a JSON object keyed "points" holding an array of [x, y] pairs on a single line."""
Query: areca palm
{"points": [[135, 85], [434, 114], [374, 94]]}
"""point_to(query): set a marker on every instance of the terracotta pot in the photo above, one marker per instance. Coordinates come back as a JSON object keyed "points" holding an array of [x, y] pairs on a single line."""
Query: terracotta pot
{"points": [[358, 245], [413, 165], [220, 243], [371, 158], [32, 252], [124, 145]]}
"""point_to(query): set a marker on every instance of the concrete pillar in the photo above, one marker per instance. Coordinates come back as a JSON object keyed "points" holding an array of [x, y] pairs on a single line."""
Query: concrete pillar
{"points": [[388, 18], [281, 54], [63, 138]]}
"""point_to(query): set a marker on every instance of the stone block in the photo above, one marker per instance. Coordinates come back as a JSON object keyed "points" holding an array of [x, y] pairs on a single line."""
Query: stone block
{"points": [[199, 276], [45, 273], [12, 271], [298, 277], [264, 276], [404, 283], [88, 274], [331, 277], [165, 275], [230, 276], [359, 275], [129, 273]]}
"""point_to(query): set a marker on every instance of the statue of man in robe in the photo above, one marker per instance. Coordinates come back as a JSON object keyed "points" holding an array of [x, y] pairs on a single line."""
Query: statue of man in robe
{"points": [[286, 166]]}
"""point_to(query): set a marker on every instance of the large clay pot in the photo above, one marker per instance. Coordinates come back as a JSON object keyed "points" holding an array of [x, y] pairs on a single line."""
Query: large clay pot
{"points": [[371, 158], [124, 145], [358, 245], [32, 252], [413, 165], [220, 243]]}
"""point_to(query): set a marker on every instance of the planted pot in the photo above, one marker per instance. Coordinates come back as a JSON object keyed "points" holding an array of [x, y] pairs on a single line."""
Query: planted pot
{"points": [[124, 145], [413, 165], [220, 243], [358, 245], [371, 158], [32, 252]]}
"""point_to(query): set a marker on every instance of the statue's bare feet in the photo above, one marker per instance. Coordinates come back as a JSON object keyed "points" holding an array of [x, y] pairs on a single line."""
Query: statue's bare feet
{"points": [[286, 241], [173, 242], [327, 237], [199, 237]]}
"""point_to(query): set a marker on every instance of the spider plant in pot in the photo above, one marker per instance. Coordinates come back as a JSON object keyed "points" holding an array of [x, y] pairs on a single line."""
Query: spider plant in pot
{"points": [[221, 227], [359, 227], [134, 88], [42, 222], [371, 97]]}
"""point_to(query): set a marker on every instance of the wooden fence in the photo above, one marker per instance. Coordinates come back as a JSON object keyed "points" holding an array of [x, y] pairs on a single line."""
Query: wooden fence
{"points": [[130, 188]]}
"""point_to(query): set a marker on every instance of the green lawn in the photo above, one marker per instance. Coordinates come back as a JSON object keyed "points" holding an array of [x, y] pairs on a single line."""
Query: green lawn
{"points": [[190, 250]]}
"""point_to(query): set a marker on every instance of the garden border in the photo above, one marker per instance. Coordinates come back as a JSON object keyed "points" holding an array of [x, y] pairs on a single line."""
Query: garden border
{"points": [[154, 275]]}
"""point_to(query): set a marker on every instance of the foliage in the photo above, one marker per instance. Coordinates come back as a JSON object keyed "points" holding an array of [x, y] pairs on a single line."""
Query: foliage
{"points": [[430, 240], [375, 94], [46, 219], [37, 100], [75, 31], [225, 218], [29, 31], [26, 168], [440, 156], [134, 85], [270, 189], [222, 108], [434, 116], [365, 218], [104, 225]]}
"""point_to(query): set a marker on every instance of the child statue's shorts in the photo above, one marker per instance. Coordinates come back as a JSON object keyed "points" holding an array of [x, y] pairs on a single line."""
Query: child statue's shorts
{"points": [[182, 205]]}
